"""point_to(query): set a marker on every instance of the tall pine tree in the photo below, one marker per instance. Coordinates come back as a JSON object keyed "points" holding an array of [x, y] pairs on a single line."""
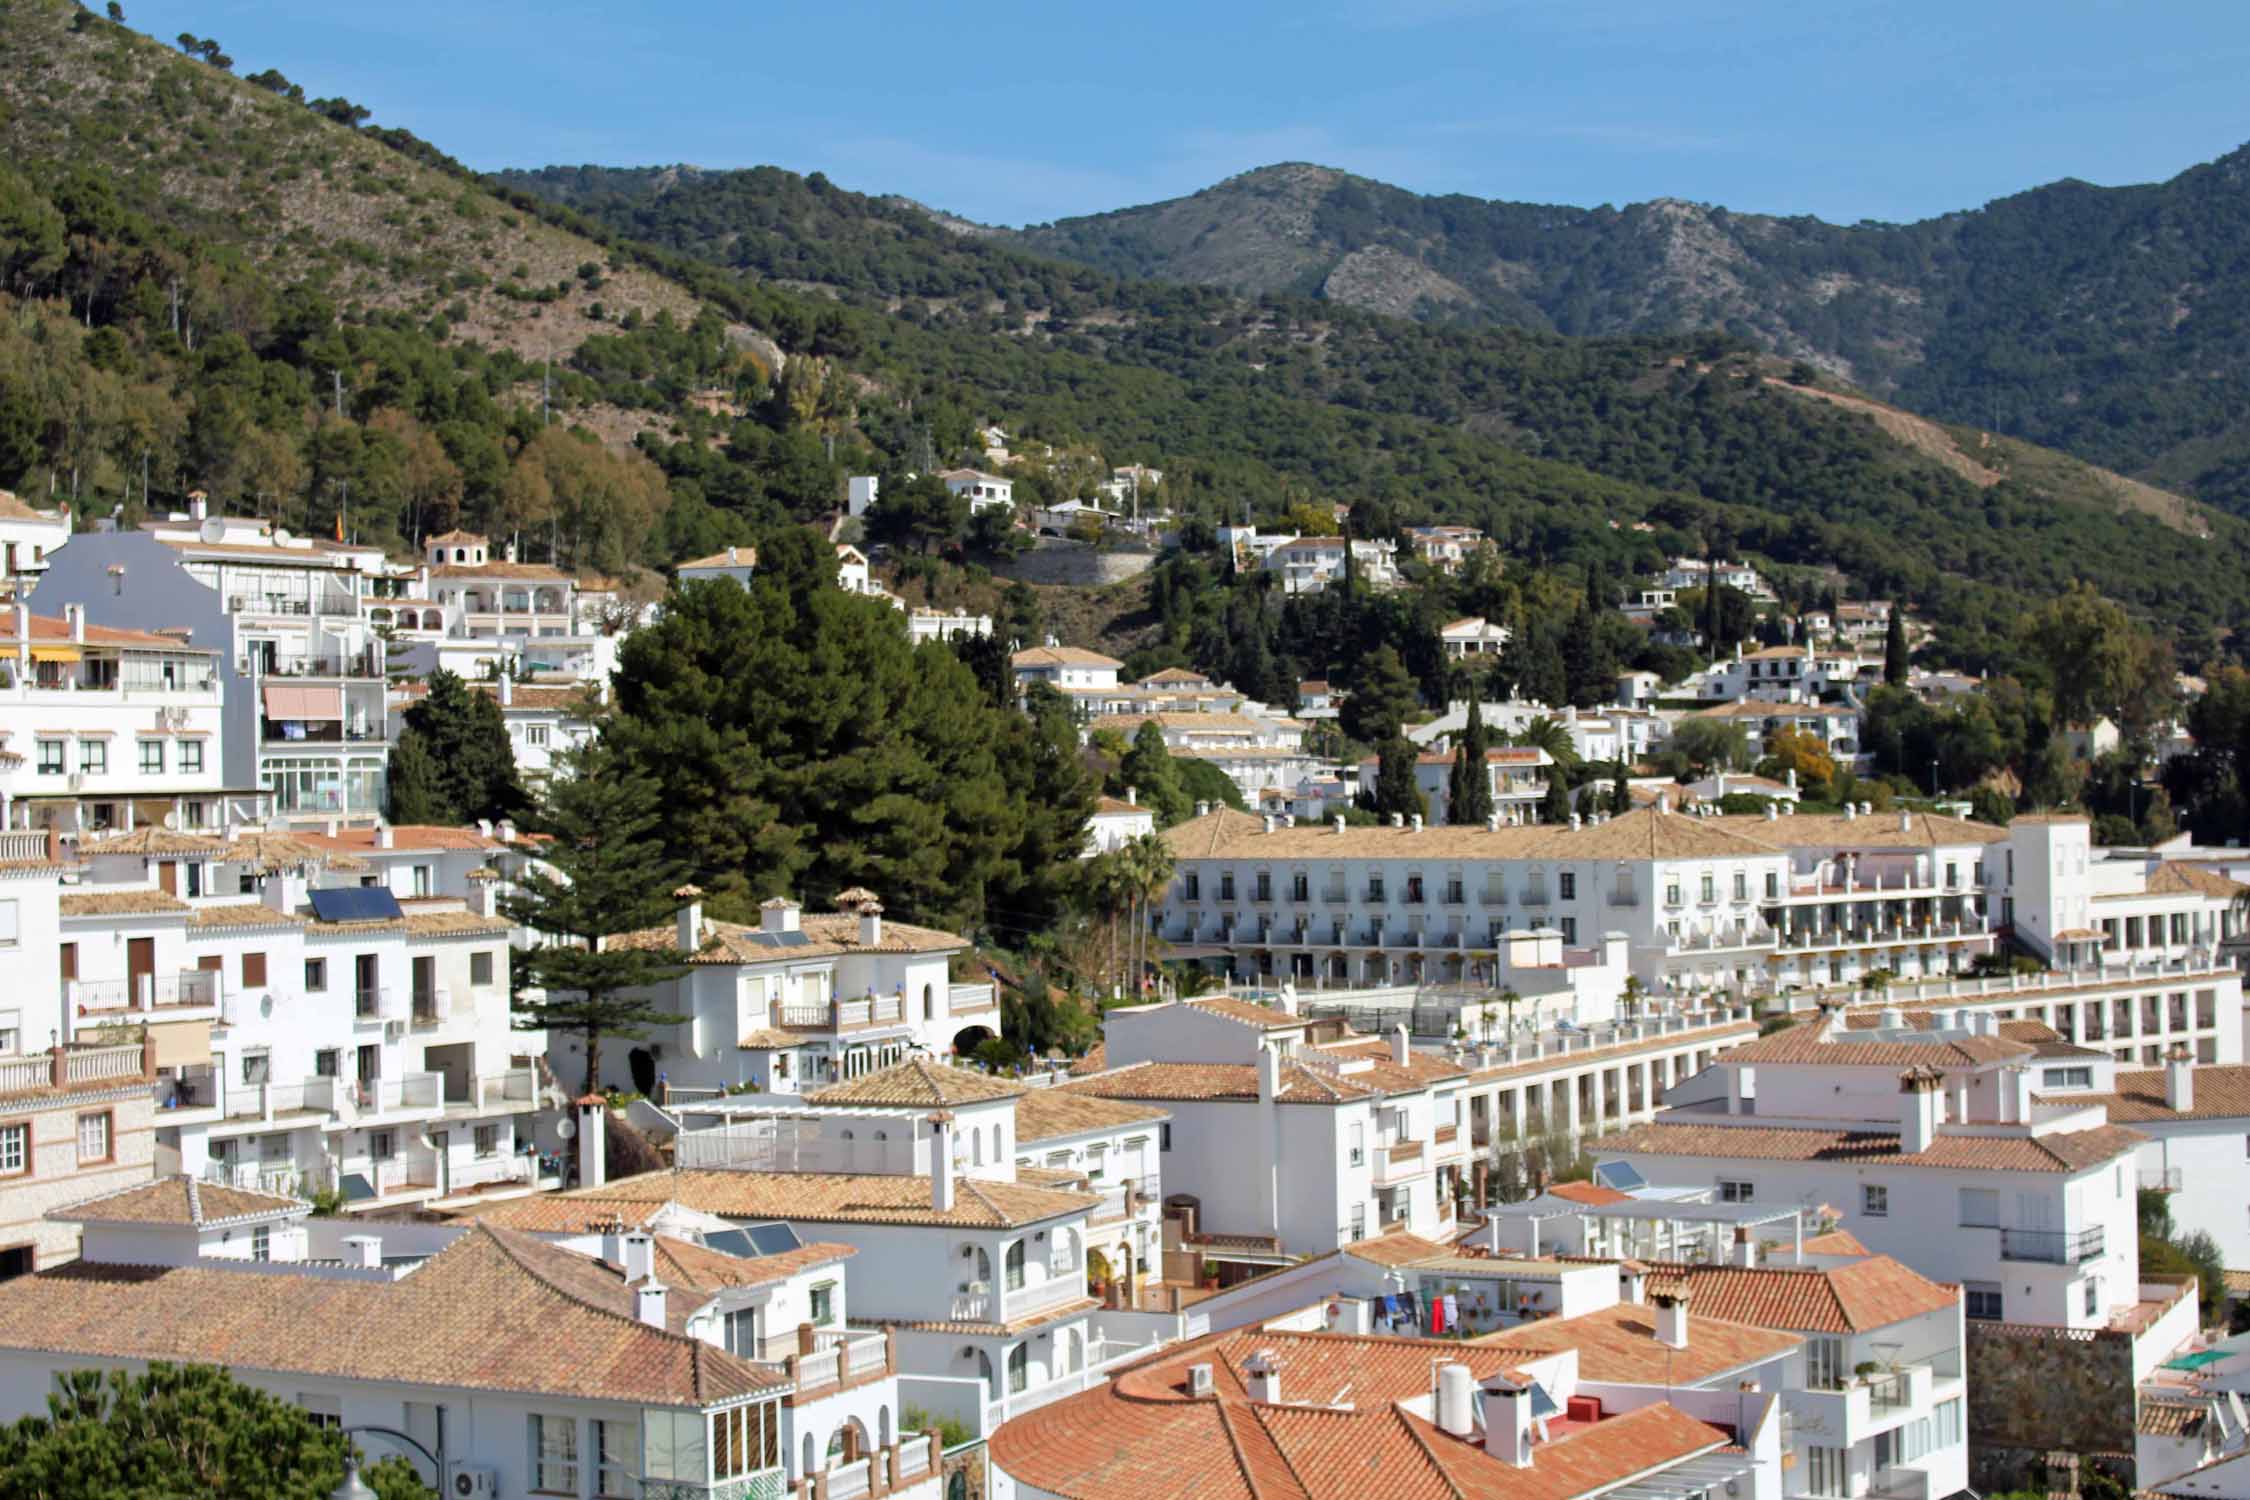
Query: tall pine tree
{"points": [[462, 740], [599, 874], [1469, 795], [1395, 787], [1894, 648]]}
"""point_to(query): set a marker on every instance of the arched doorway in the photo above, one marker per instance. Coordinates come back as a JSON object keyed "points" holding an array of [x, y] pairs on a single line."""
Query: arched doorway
{"points": [[969, 1038], [643, 1065]]}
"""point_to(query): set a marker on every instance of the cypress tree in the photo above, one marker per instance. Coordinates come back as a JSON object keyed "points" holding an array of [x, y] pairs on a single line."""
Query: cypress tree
{"points": [[1395, 788], [1894, 648], [1469, 796]]}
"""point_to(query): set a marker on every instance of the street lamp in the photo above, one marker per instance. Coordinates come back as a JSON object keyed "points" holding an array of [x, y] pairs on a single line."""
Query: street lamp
{"points": [[353, 1487]]}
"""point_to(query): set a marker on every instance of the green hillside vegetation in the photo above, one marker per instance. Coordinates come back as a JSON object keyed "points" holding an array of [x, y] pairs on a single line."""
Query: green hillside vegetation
{"points": [[2109, 322]]}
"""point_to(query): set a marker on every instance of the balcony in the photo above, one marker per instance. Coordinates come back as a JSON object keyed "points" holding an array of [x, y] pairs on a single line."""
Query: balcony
{"points": [[1022, 1302], [71, 1065], [2054, 1247], [839, 1357], [310, 664], [968, 997], [190, 989], [432, 1005], [1117, 1204], [512, 1091], [1397, 1162], [2160, 1179], [378, 1003], [843, 1015]]}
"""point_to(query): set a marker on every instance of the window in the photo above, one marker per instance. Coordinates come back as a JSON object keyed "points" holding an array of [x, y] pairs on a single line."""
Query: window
{"points": [[1946, 1423], [1982, 1299], [1164, 1136], [191, 756], [1672, 893], [824, 1295], [1226, 886], [152, 757], [2067, 1078], [742, 1332], [1710, 887], [93, 1137], [1980, 1208], [2093, 1296], [554, 1454], [1737, 1192], [1374, 887], [382, 1145], [480, 968], [93, 755], [1012, 1274], [1569, 929], [535, 734], [257, 1067], [617, 1460], [1874, 1201], [1265, 885], [488, 1141], [316, 975], [1019, 1369], [746, 1438], [1741, 886], [1357, 1156], [1827, 1471], [253, 971], [328, 1062], [15, 1149], [323, 1411], [1824, 1362], [1773, 886], [1359, 1222], [1567, 883], [1192, 886], [261, 1243], [50, 757]]}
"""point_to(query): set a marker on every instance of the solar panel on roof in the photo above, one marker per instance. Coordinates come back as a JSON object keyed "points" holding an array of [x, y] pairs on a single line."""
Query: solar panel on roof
{"points": [[754, 1241], [780, 939], [1542, 1404], [1622, 1176], [358, 903]]}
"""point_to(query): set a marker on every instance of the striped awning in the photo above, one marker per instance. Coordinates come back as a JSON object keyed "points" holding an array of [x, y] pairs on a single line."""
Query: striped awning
{"points": [[288, 701]]}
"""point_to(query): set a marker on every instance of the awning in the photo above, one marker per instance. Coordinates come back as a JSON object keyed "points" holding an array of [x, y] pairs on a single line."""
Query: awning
{"points": [[285, 701], [181, 1044], [55, 653]]}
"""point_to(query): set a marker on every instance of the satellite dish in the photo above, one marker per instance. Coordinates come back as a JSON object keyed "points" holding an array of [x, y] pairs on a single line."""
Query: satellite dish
{"points": [[281, 536], [172, 819], [213, 529], [566, 1127]]}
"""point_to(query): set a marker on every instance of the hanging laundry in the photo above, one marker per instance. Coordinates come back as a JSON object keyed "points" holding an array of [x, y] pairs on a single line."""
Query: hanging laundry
{"points": [[1452, 1311]]}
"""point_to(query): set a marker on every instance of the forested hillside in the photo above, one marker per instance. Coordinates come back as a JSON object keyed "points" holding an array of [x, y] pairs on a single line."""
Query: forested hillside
{"points": [[220, 282], [2109, 322]]}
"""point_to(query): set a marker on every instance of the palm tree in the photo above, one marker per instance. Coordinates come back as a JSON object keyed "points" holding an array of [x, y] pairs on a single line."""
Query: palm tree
{"points": [[1510, 999], [1148, 866], [1551, 735], [1109, 891]]}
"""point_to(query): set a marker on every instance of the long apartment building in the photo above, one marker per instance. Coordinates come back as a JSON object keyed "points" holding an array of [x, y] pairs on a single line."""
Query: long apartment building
{"points": [[1751, 904]]}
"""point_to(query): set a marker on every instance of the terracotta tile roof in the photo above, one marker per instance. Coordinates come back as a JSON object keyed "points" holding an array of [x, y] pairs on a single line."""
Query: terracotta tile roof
{"points": [[772, 1039], [243, 914], [1875, 831], [2174, 877], [1051, 1113], [564, 1213], [1061, 656], [836, 1198], [1118, 807], [120, 903], [2220, 1093], [1593, 1194], [732, 557], [1813, 1042], [155, 839], [2072, 1151], [1096, 1060], [414, 838], [180, 1200], [495, 1310], [1642, 834], [1160, 1081], [452, 924], [1836, 1242], [2171, 1419], [1398, 1248], [918, 1083], [826, 934], [269, 852], [55, 628], [1142, 1434], [1619, 1343], [1867, 1294]]}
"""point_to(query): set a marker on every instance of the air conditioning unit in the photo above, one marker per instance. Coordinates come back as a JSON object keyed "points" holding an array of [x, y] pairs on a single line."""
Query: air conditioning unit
{"points": [[472, 1482], [394, 1031]]}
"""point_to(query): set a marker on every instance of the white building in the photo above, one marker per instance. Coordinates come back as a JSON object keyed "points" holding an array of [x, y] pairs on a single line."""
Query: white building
{"points": [[795, 1003], [1696, 573], [1474, 639], [862, 492], [104, 729], [1516, 774], [1065, 668], [27, 535], [985, 491], [1257, 752], [1116, 822], [737, 563], [1834, 725], [497, 1361], [1309, 564], [1445, 548]]}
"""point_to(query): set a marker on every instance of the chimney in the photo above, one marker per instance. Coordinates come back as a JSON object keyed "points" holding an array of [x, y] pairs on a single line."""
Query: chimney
{"points": [[1632, 1284], [1507, 1421], [1919, 1101], [1576, 822], [1664, 802], [1745, 1248], [777, 914], [1851, 811], [1491, 822], [363, 1252], [1203, 809], [76, 615], [1262, 1374], [198, 505], [871, 924], [1337, 822], [1269, 1075], [1132, 796], [2015, 1092], [2179, 1079], [636, 1254], [1269, 822], [593, 1141], [1671, 1319], [941, 1161], [1456, 1400], [1399, 1052], [507, 691], [690, 918], [1773, 809], [648, 1302], [1398, 820], [1789, 778], [1416, 823], [383, 838], [1906, 822]]}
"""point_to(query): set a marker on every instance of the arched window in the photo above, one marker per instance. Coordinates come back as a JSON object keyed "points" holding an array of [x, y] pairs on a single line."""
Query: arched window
{"points": [[1019, 1369], [1015, 1266], [976, 1148], [844, 1134], [929, 1002], [883, 1426], [460, 554], [984, 1266]]}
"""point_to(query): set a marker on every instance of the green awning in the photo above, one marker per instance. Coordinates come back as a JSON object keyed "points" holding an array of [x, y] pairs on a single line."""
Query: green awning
{"points": [[2196, 1361]]}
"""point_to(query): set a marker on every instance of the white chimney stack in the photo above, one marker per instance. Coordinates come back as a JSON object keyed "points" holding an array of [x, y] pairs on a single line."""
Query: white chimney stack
{"points": [[871, 924], [1399, 1050], [1745, 1248], [2179, 1079], [648, 1302], [1269, 822], [76, 615], [363, 1251], [1919, 1102], [1456, 1400], [689, 937], [1262, 1374], [593, 1141], [1507, 1421], [1132, 796], [1671, 1319], [941, 1161], [1491, 822], [636, 1251], [1203, 809], [1417, 823], [1337, 822], [778, 914]]}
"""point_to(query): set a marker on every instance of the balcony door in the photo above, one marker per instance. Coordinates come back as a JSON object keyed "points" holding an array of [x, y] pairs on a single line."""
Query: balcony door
{"points": [[140, 963]]}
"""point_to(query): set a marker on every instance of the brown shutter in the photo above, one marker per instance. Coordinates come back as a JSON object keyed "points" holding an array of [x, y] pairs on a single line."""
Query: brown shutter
{"points": [[253, 971]]}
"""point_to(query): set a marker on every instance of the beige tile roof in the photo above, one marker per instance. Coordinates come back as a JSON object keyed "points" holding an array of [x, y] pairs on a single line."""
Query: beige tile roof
{"points": [[1619, 1343], [155, 839], [1248, 1012], [495, 1311], [685, 1265], [119, 903], [826, 934], [1061, 656], [1051, 1113], [269, 852], [2176, 877], [2072, 1151], [180, 1200], [453, 924], [918, 1083], [840, 1198], [1188, 1082], [2221, 1093], [1882, 830], [1398, 1248], [2171, 1419], [1641, 834], [406, 838], [732, 557], [564, 1213], [1811, 1042], [1865, 1295], [243, 914]]}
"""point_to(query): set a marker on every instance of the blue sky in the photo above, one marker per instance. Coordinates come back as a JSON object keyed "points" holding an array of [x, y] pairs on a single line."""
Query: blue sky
{"points": [[1012, 113]]}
